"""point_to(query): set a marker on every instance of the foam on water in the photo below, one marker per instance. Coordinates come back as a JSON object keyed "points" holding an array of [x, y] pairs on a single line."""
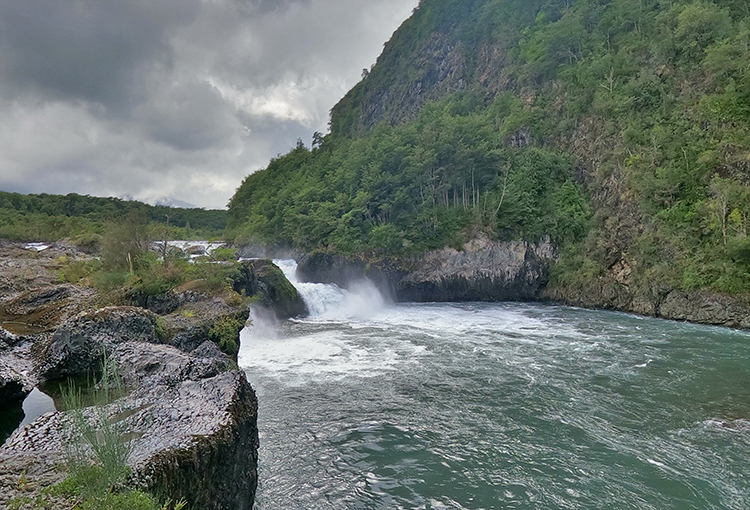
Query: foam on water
{"points": [[366, 404], [330, 302]]}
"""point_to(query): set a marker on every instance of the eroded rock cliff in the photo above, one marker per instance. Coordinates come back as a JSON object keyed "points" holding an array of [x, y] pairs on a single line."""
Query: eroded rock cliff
{"points": [[482, 271]]}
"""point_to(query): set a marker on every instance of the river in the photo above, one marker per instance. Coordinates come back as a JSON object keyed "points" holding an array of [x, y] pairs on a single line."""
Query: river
{"points": [[370, 405]]}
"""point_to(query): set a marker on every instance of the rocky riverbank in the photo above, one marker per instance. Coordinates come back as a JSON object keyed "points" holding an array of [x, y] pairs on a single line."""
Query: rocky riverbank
{"points": [[482, 271], [518, 271], [619, 290], [189, 411]]}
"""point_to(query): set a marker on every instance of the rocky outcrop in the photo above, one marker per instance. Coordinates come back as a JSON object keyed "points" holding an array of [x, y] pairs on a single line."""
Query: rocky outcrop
{"points": [[38, 310], [706, 308], [190, 413], [618, 290], [192, 419], [77, 347], [483, 271], [262, 279], [12, 385], [325, 267]]}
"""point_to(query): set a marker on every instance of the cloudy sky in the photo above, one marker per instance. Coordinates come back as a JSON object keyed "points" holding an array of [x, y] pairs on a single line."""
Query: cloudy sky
{"points": [[172, 98]]}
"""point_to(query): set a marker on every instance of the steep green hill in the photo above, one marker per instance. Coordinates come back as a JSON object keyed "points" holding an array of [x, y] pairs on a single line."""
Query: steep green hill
{"points": [[619, 128]]}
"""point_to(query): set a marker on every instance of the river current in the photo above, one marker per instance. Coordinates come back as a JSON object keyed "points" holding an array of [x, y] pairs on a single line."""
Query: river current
{"points": [[370, 405]]}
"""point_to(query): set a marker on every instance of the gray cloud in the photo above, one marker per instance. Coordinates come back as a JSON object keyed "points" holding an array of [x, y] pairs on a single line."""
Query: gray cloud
{"points": [[175, 98]]}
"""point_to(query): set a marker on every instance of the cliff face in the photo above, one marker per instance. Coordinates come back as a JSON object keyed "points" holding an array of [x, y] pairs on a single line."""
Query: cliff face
{"points": [[617, 291], [436, 52], [482, 271]]}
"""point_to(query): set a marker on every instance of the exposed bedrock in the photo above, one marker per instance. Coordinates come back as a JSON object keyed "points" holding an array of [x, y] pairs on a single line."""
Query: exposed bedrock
{"points": [[262, 279], [190, 413], [77, 347], [192, 418], [483, 271], [618, 292]]}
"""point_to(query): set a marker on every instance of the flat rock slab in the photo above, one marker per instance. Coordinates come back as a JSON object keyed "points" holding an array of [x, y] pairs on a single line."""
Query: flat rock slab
{"points": [[192, 424]]}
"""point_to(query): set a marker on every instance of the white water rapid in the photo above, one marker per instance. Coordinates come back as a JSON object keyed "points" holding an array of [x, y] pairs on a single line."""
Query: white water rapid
{"points": [[369, 405], [329, 301]]}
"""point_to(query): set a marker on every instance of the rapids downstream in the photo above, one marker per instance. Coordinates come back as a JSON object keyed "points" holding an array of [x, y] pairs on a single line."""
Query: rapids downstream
{"points": [[370, 405]]}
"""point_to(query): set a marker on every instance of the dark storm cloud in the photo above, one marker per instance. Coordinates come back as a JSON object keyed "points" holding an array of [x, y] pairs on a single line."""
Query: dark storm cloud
{"points": [[98, 51], [180, 98]]}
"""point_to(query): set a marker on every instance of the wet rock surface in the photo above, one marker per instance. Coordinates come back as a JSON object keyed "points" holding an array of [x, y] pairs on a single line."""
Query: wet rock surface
{"points": [[12, 385], [77, 347], [617, 290], [189, 412], [482, 271], [263, 279], [192, 419]]}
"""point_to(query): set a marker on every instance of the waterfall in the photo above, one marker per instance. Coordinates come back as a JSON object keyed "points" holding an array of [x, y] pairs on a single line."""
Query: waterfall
{"points": [[329, 301]]}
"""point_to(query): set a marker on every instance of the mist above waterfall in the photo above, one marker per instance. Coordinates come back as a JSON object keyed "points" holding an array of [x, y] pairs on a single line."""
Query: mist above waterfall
{"points": [[330, 302]]}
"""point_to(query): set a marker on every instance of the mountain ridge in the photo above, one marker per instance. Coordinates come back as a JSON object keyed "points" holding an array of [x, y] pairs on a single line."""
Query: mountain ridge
{"points": [[618, 128]]}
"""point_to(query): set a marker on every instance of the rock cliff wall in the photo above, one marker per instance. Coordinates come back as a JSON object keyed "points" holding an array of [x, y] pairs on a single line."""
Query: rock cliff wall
{"points": [[483, 271], [617, 291]]}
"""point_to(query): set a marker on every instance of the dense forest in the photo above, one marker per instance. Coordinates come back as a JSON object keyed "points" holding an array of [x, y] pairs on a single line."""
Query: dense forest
{"points": [[617, 128], [52, 217]]}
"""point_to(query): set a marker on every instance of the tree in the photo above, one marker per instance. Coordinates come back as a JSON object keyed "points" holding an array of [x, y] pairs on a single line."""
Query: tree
{"points": [[124, 243]]}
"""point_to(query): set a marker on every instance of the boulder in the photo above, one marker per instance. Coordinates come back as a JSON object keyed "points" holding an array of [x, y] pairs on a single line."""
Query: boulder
{"points": [[77, 347], [261, 278], [191, 419]]}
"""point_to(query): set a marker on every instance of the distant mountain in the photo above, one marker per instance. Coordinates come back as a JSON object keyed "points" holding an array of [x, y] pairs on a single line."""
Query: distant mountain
{"points": [[163, 201], [172, 202]]}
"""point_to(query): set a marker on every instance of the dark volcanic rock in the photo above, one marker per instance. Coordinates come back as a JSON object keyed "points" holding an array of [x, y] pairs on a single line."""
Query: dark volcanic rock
{"points": [[77, 347], [44, 309], [191, 416], [706, 308], [192, 420], [617, 290], [212, 465], [193, 323], [323, 267], [483, 271], [262, 278], [168, 302], [12, 385], [8, 339]]}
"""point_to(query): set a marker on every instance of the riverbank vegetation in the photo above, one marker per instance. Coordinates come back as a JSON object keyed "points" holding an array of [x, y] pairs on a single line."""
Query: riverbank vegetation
{"points": [[618, 128]]}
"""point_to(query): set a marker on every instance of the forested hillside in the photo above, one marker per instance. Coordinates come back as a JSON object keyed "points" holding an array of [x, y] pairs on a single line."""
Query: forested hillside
{"points": [[52, 217], [618, 128]]}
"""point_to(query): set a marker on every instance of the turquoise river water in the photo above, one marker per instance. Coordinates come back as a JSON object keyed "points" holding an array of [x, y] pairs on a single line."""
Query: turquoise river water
{"points": [[366, 405]]}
